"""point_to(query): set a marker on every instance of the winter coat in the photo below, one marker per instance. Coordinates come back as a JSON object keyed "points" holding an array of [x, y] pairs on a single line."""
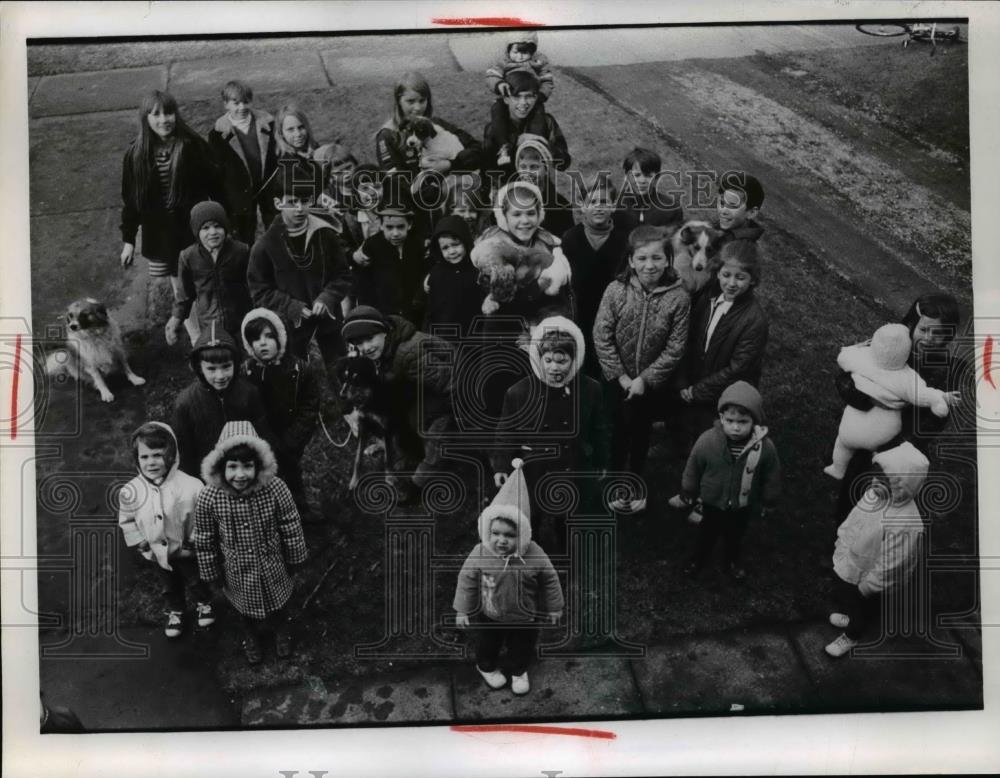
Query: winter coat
{"points": [[289, 387], [750, 231], [393, 280], [592, 270], [416, 371], [880, 542], [736, 351], [454, 297], [277, 281], [553, 136], [642, 334], [390, 156], [537, 415], [162, 515], [537, 65], [166, 230], [239, 183], [750, 479], [249, 538], [216, 288], [200, 412], [514, 589]]}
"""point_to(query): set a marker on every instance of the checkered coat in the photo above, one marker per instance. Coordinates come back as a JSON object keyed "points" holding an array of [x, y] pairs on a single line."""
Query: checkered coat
{"points": [[249, 538]]}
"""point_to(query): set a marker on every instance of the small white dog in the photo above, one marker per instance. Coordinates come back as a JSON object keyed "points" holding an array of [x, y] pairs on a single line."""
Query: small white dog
{"points": [[94, 348]]}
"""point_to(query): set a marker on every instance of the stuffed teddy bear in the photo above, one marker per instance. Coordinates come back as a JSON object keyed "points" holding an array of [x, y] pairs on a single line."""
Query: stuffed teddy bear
{"points": [[505, 267], [879, 370]]}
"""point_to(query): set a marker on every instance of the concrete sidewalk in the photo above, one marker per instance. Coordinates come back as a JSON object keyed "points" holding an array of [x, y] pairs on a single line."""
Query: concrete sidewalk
{"points": [[760, 671]]}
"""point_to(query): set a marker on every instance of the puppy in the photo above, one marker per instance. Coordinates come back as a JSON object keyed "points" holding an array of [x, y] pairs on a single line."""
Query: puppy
{"points": [[695, 246], [361, 402], [504, 268], [94, 348], [420, 138]]}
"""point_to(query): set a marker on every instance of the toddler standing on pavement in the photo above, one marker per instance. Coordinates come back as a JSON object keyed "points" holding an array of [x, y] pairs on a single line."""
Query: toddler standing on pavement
{"points": [[506, 586]]}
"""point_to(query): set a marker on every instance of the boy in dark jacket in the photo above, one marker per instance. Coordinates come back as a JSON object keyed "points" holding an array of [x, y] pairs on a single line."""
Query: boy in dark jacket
{"points": [[213, 274], [216, 395], [290, 389], [298, 269], [740, 198], [555, 420], [389, 268], [641, 203], [454, 297], [243, 143], [734, 470], [415, 374]]}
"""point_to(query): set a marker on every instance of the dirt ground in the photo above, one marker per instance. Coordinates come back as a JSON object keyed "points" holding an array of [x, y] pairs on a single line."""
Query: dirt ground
{"points": [[867, 207]]}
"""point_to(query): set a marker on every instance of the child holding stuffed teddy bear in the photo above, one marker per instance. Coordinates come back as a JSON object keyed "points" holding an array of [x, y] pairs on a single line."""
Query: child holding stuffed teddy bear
{"points": [[879, 369]]}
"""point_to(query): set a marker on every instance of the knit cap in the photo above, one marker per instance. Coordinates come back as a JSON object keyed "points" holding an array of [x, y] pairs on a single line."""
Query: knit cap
{"points": [[891, 346], [745, 395], [362, 322], [512, 503], [208, 211], [529, 140]]}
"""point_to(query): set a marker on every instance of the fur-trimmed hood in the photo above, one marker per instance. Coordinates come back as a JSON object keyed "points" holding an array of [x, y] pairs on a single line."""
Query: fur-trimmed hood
{"points": [[562, 324], [279, 329], [233, 434]]}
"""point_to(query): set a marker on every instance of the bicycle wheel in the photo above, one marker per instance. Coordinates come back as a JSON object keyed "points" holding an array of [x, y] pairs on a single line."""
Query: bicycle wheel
{"points": [[883, 30]]}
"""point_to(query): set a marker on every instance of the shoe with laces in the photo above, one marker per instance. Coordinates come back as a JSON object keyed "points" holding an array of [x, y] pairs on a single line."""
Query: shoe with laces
{"points": [[494, 679], [519, 684], [175, 624], [842, 645], [840, 620], [206, 614]]}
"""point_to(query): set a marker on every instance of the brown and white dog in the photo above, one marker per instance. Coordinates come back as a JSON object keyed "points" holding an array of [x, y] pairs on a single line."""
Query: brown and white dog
{"points": [[94, 348], [420, 138], [696, 246]]}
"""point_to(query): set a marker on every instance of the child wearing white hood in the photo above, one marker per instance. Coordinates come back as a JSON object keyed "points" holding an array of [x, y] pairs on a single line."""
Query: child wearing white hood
{"points": [[506, 586], [156, 513], [878, 545]]}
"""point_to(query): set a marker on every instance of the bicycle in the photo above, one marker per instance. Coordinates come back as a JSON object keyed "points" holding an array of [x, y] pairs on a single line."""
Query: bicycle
{"points": [[914, 31]]}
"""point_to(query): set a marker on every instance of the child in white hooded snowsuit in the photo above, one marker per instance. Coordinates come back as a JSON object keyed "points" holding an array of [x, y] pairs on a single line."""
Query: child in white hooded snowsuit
{"points": [[156, 513], [879, 370], [506, 586], [878, 545]]}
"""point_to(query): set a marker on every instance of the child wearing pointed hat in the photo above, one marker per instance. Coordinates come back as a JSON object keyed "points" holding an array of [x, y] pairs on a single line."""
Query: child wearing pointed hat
{"points": [[506, 587], [248, 534]]}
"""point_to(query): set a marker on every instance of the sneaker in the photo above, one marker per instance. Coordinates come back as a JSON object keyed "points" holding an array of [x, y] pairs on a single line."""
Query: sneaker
{"points": [[251, 647], [282, 644], [175, 624], [841, 646], [494, 679], [519, 684], [637, 506], [840, 620], [206, 614]]}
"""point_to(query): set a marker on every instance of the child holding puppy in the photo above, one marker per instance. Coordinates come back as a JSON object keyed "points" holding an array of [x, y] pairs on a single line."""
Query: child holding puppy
{"points": [[156, 513], [507, 587], [640, 335]]}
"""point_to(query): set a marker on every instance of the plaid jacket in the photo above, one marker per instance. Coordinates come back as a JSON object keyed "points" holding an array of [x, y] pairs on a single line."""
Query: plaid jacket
{"points": [[250, 538]]}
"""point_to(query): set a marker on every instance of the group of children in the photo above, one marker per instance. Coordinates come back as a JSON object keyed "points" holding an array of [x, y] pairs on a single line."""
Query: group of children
{"points": [[609, 342]]}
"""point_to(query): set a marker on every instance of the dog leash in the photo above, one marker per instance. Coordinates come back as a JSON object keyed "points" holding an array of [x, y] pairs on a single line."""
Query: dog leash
{"points": [[327, 433]]}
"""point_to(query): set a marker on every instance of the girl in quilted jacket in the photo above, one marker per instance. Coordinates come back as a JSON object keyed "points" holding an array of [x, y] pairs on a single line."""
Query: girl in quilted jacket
{"points": [[639, 336], [248, 532]]}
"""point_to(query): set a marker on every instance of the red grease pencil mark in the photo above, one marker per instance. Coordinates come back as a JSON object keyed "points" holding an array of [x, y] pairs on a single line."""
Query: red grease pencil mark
{"points": [[14, 388], [484, 21], [535, 729], [988, 361]]}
